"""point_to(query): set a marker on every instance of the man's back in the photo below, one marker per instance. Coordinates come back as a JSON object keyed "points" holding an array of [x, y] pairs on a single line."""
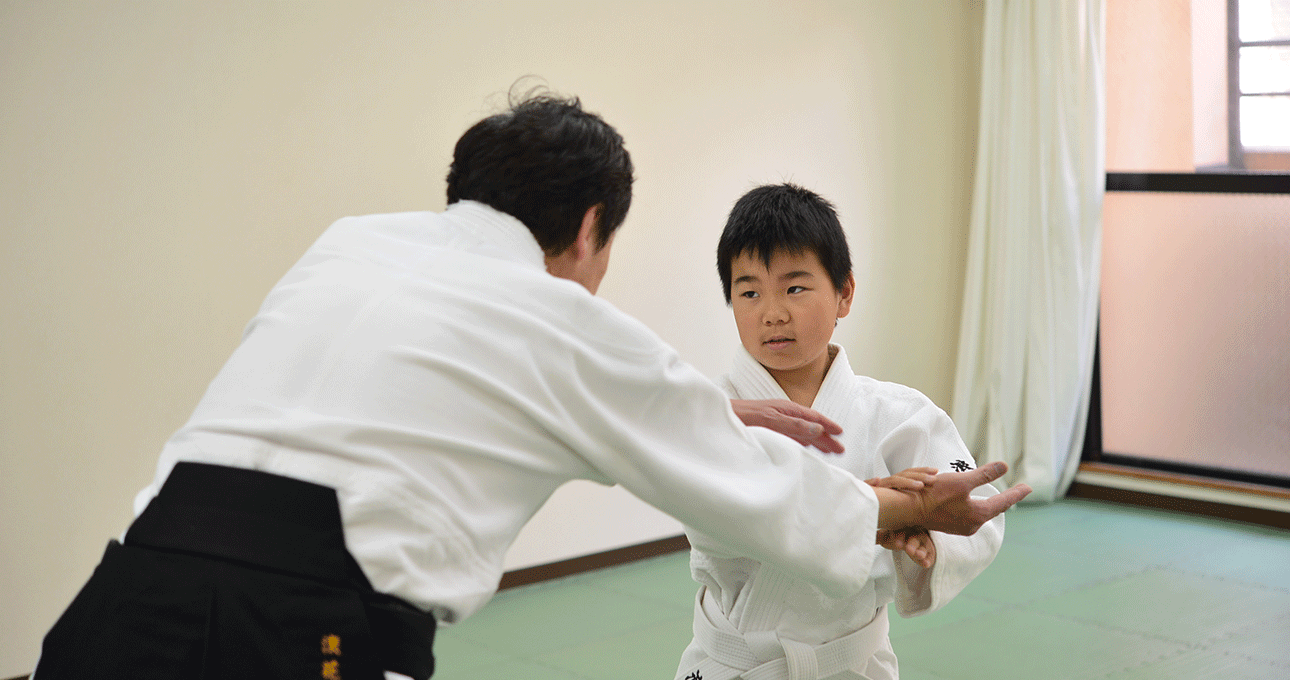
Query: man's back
{"points": [[404, 362]]}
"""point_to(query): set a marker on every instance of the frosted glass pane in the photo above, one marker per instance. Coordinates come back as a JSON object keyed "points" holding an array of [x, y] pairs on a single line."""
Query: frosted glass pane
{"points": [[1265, 69], [1195, 329], [1265, 122], [1264, 20]]}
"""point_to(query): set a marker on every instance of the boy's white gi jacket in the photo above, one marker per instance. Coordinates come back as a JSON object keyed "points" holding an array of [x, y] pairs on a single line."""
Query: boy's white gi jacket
{"points": [[755, 616], [431, 370]]}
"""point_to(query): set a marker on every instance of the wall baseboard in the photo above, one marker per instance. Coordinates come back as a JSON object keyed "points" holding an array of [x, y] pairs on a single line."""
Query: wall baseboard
{"points": [[1269, 506], [600, 560]]}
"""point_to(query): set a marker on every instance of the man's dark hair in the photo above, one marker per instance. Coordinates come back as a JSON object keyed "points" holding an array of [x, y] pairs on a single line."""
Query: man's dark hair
{"points": [[545, 161], [783, 218]]}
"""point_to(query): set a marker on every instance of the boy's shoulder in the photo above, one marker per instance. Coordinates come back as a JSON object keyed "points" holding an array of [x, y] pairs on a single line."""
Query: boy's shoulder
{"points": [[867, 390], [887, 400]]}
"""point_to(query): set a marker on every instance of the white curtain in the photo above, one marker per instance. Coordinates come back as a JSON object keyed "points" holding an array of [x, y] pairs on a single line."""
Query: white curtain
{"points": [[1030, 302]]}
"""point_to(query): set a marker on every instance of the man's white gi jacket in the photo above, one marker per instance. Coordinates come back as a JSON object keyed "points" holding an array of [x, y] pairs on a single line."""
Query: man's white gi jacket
{"points": [[429, 369], [785, 622]]}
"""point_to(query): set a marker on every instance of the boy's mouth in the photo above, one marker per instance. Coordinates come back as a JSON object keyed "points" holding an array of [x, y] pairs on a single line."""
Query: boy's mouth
{"points": [[778, 342]]}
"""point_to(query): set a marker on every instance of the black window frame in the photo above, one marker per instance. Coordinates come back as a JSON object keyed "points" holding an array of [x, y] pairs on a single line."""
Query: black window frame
{"points": [[1175, 182]]}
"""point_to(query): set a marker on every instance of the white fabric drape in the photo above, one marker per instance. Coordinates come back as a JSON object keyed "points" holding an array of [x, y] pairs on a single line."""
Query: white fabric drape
{"points": [[1030, 301]]}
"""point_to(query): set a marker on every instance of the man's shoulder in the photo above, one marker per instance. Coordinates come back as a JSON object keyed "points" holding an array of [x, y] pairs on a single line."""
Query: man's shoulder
{"points": [[609, 328], [378, 221]]}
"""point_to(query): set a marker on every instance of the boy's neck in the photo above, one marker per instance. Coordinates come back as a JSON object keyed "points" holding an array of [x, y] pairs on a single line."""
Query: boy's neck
{"points": [[801, 385]]}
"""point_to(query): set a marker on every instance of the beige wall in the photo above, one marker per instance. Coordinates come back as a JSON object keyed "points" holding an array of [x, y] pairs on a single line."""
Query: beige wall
{"points": [[1149, 86], [1166, 85], [1209, 82], [162, 164]]}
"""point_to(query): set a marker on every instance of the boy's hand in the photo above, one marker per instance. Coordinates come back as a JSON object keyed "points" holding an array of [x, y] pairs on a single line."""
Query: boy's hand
{"points": [[801, 424], [915, 542], [947, 505]]}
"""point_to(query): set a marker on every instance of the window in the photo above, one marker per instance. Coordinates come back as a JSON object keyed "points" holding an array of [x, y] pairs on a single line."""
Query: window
{"points": [[1191, 389], [1259, 84]]}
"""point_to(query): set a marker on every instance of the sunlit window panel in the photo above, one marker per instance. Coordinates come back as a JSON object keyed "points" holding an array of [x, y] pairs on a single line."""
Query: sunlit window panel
{"points": [[1265, 69], [1264, 20], [1265, 122], [1195, 326]]}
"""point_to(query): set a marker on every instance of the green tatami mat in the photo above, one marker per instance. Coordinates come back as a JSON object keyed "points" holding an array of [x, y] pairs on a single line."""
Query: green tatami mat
{"points": [[1081, 590]]}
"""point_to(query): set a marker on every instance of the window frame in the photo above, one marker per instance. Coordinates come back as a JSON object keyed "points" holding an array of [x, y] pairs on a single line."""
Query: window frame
{"points": [[1175, 182], [1236, 151]]}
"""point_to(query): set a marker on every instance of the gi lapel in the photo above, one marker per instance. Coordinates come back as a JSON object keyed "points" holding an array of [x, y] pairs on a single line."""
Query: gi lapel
{"points": [[837, 392], [750, 379]]}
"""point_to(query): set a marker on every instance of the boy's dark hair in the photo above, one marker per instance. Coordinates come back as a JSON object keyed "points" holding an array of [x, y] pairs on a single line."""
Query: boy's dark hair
{"points": [[545, 161], [783, 218]]}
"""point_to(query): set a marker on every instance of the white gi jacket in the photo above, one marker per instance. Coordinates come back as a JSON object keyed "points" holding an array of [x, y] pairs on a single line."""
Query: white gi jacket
{"points": [[886, 428], [428, 368]]}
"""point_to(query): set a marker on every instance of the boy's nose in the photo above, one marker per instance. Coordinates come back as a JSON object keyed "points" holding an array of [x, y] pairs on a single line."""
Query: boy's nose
{"points": [[775, 315]]}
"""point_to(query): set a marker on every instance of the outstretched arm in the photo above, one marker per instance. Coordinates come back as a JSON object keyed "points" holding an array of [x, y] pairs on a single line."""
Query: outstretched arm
{"points": [[801, 424]]}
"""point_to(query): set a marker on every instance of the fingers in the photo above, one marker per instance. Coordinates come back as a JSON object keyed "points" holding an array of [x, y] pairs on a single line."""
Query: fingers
{"points": [[891, 540], [1015, 494], [811, 416], [813, 428], [922, 550], [1004, 500], [826, 443], [918, 554], [821, 441], [916, 543], [801, 424], [911, 479], [922, 474], [901, 483], [988, 473]]}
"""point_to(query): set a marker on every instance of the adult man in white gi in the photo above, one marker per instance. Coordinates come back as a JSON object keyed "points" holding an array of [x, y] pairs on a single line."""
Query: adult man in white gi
{"points": [[408, 395]]}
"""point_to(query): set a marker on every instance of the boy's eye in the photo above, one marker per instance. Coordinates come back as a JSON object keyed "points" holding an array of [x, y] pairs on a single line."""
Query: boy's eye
{"points": [[795, 289], [750, 294]]}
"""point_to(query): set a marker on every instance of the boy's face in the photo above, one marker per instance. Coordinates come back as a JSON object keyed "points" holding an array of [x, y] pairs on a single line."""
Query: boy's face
{"points": [[786, 312]]}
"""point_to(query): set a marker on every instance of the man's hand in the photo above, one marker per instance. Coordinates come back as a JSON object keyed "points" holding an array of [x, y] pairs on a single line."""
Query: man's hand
{"points": [[910, 479], [945, 504], [801, 424]]}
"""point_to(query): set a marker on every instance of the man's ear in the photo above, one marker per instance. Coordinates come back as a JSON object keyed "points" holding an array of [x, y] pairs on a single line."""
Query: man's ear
{"points": [[846, 295], [588, 242]]}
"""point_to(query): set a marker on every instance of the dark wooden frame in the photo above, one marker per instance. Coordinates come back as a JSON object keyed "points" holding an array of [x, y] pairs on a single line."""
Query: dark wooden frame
{"points": [[1095, 459], [600, 560]]}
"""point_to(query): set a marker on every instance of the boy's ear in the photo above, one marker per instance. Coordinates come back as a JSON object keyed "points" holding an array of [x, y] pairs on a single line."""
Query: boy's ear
{"points": [[845, 295]]}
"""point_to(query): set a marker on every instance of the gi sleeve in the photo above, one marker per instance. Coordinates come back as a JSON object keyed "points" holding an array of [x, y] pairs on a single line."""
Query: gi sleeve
{"points": [[928, 438], [654, 424]]}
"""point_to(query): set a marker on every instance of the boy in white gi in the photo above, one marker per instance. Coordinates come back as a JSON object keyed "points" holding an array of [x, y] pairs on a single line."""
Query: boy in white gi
{"points": [[786, 272]]}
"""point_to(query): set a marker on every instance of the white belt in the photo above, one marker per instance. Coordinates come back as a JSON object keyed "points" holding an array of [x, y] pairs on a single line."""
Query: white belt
{"points": [[763, 655]]}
